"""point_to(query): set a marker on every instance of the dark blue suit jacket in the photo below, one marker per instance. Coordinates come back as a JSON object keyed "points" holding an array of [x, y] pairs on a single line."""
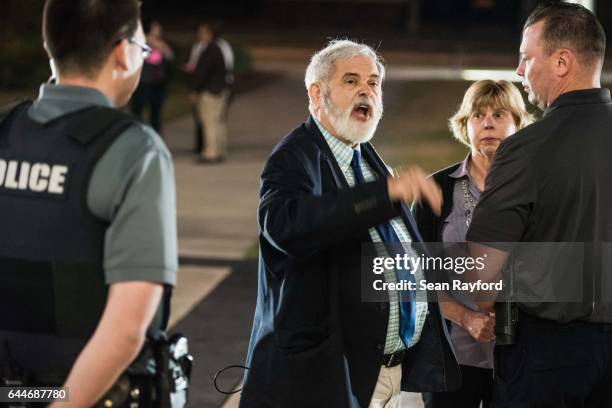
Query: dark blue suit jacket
{"points": [[315, 343]]}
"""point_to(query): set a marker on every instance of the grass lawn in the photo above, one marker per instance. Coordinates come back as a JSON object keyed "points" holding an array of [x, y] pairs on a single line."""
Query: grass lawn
{"points": [[414, 128], [177, 101]]}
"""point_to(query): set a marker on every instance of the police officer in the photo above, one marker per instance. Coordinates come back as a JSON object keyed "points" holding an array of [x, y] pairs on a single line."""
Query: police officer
{"points": [[87, 208], [550, 183]]}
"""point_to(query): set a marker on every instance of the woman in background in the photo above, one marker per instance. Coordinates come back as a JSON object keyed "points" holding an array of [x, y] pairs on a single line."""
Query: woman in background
{"points": [[155, 76], [490, 112]]}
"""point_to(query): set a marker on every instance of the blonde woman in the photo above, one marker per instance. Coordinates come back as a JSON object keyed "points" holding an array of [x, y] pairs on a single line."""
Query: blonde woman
{"points": [[490, 112]]}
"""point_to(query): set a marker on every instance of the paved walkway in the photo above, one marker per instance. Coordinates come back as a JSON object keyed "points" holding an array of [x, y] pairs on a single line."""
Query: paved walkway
{"points": [[217, 203], [217, 224]]}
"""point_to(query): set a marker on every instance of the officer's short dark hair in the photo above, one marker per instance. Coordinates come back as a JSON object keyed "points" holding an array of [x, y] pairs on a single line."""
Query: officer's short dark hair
{"points": [[80, 34], [572, 26]]}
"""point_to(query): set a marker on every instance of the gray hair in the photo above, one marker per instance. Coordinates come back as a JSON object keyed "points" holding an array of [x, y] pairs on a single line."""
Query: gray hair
{"points": [[322, 63]]}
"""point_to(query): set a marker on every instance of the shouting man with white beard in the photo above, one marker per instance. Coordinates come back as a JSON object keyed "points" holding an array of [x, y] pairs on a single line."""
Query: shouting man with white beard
{"points": [[324, 192]]}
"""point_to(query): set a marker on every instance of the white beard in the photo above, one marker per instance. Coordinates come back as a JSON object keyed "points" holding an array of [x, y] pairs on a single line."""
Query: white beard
{"points": [[348, 128]]}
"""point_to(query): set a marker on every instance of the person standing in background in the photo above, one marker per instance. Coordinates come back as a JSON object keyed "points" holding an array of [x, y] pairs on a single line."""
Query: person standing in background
{"points": [[153, 84], [212, 81], [490, 112], [189, 68]]}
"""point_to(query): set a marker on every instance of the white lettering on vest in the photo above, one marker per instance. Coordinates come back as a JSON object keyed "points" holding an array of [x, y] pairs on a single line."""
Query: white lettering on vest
{"points": [[57, 179], [39, 178], [2, 171], [23, 175], [11, 175]]}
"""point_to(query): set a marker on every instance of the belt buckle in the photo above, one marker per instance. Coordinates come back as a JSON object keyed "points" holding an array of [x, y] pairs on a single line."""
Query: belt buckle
{"points": [[396, 358]]}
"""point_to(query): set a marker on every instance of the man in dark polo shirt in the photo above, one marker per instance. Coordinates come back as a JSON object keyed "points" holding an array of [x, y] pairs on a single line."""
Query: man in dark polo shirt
{"points": [[550, 183]]}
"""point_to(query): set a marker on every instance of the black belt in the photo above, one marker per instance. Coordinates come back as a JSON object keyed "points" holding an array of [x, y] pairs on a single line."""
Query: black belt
{"points": [[394, 359]]}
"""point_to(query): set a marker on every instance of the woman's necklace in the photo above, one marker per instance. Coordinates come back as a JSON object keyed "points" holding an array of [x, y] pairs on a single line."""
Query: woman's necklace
{"points": [[468, 201]]}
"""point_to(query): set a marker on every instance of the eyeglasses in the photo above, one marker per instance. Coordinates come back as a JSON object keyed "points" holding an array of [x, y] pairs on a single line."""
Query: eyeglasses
{"points": [[146, 50]]}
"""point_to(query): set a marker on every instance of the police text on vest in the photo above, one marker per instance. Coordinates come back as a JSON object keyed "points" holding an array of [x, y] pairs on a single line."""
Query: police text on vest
{"points": [[37, 177]]}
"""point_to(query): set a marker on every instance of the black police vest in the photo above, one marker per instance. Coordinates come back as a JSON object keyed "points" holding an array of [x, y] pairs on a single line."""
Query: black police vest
{"points": [[52, 286]]}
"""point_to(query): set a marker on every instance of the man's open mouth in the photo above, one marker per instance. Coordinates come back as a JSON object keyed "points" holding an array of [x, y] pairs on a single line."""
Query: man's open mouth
{"points": [[362, 112]]}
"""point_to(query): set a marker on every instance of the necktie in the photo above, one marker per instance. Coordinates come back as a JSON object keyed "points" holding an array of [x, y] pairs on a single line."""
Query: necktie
{"points": [[388, 235]]}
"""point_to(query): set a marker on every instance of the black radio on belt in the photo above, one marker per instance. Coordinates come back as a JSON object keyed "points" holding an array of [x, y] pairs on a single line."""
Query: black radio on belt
{"points": [[506, 311], [159, 378], [506, 319]]}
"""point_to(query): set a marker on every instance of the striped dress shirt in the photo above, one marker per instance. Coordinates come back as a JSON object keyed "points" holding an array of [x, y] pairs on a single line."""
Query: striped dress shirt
{"points": [[343, 154]]}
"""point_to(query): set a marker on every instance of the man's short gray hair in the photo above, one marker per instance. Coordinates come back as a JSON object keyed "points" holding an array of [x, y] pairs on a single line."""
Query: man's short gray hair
{"points": [[321, 65]]}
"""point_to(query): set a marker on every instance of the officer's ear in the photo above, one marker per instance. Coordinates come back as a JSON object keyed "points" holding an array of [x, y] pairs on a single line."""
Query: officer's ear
{"points": [[53, 77], [121, 55], [52, 65], [46, 49], [564, 61]]}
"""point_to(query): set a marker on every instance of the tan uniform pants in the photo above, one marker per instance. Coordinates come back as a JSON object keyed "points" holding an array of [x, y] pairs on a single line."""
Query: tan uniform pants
{"points": [[212, 113]]}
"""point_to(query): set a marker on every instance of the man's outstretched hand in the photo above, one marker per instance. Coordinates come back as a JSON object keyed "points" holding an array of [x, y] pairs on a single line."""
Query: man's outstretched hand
{"points": [[412, 184]]}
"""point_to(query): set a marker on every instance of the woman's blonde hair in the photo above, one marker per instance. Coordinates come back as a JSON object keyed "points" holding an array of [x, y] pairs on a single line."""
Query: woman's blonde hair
{"points": [[484, 93]]}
